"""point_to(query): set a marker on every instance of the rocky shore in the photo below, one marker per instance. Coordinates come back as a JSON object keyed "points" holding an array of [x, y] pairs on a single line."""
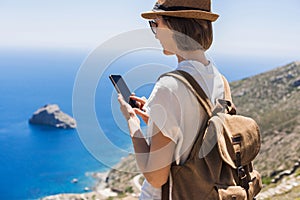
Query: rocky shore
{"points": [[287, 187], [122, 182]]}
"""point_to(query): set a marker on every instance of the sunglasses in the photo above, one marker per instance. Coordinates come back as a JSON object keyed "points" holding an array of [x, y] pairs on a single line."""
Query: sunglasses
{"points": [[153, 26]]}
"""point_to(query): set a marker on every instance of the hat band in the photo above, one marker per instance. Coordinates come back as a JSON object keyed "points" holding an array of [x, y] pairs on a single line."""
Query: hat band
{"points": [[174, 8]]}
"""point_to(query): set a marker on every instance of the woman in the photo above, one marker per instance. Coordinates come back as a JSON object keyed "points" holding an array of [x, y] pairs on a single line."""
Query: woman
{"points": [[172, 112]]}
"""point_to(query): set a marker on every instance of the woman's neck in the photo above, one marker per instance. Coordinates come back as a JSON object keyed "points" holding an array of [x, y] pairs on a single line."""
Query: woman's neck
{"points": [[197, 55]]}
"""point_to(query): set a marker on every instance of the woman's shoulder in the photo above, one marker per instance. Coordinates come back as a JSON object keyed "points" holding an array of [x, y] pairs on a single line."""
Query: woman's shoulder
{"points": [[169, 82], [167, 87]]}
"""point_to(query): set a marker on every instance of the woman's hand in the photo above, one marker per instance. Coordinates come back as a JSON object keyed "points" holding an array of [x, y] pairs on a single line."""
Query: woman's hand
{"points": [[129, 114], [140, 111]]}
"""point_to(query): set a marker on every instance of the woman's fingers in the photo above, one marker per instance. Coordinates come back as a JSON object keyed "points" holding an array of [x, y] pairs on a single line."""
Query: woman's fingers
{"points": [[142, 100], [129, 114], [125, 108], [142, 114], [139, 100]]}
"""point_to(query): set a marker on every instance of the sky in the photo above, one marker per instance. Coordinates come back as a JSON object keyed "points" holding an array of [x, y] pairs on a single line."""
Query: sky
{"points": [[258, 26]]}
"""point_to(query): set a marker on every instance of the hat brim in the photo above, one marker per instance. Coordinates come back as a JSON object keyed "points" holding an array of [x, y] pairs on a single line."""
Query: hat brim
{"points": [[195, 14]]}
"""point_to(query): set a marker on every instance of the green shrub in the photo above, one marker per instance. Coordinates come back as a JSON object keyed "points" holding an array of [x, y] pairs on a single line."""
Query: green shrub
{"points": [[129, 189], [266, 180]]}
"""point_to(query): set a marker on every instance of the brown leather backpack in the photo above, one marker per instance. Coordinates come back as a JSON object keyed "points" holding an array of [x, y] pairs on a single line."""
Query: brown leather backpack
{"points": [[220, 163]]}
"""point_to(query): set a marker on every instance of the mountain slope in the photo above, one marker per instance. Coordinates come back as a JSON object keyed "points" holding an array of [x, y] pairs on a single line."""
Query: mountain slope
{"points": [[273, 100]]}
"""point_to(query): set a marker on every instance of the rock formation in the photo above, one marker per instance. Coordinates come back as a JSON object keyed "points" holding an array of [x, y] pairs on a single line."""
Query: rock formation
{"points": [[51, 115]]}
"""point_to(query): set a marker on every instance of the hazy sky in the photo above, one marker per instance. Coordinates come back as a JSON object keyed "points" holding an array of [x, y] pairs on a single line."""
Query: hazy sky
{"points": [[256, 26]]}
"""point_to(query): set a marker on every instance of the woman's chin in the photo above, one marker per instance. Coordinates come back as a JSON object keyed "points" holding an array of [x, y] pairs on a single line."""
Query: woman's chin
{"points": [[167, 53]]}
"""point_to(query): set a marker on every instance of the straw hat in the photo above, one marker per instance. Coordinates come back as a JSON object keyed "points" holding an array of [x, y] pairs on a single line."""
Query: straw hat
{"points": [[197, 9]]}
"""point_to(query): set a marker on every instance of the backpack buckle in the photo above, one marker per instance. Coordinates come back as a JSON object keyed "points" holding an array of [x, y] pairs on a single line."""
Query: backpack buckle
{"points": [[241, 172], [243, 178], [226, 106]]}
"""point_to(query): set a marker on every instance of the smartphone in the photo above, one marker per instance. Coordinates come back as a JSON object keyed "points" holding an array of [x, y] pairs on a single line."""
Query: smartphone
{"points": [[122, 89]]}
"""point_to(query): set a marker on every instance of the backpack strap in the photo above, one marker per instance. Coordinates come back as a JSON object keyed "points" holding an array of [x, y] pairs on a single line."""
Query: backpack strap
{"points": [[194, 87], [227, 92], [204, 101], [242, 171], [202, 98]]}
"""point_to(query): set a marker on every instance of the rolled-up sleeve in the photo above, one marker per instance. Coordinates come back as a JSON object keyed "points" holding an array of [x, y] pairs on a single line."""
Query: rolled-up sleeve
{"points": [[163, 107]]}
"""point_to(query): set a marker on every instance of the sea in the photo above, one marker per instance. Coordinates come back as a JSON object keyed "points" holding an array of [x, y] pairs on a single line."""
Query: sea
{"points": [[37, 161]]}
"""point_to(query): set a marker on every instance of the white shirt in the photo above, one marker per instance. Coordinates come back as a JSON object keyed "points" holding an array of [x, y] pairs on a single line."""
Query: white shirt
{"points": [[174, 109]]}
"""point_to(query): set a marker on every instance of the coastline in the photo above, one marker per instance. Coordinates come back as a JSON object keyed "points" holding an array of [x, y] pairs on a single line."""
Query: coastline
{"points": [[101, 186], [99, 191], [110, 184]]}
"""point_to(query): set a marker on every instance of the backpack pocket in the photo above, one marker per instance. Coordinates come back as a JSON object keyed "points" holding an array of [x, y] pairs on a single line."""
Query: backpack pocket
{"points": [[255, 184], [232, 193], [239, 193], [233, 127]]}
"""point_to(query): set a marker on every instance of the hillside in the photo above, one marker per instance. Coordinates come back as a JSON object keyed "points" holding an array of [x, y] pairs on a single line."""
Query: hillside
{"points": [[273, 99]]}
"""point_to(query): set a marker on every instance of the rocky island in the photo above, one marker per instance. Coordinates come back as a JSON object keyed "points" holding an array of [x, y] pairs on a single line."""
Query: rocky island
{"points": [[51, 115]]}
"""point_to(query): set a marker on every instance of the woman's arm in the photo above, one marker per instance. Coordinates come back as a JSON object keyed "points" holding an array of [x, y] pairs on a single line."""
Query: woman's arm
{"points": [[154, 160]]}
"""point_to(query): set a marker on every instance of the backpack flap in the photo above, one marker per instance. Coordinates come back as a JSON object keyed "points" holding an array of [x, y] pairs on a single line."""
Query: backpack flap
{"points": [[233, 128]]}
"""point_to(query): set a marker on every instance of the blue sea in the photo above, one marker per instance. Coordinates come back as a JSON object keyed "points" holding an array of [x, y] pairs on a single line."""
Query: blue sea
{"points": [[36, 161]]}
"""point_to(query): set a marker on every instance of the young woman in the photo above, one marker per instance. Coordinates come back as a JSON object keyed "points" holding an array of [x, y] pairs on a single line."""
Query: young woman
{"points": [[172, 112]]}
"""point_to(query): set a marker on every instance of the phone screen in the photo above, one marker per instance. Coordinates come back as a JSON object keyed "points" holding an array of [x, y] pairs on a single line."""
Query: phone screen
{"points": [[122, 89]]}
